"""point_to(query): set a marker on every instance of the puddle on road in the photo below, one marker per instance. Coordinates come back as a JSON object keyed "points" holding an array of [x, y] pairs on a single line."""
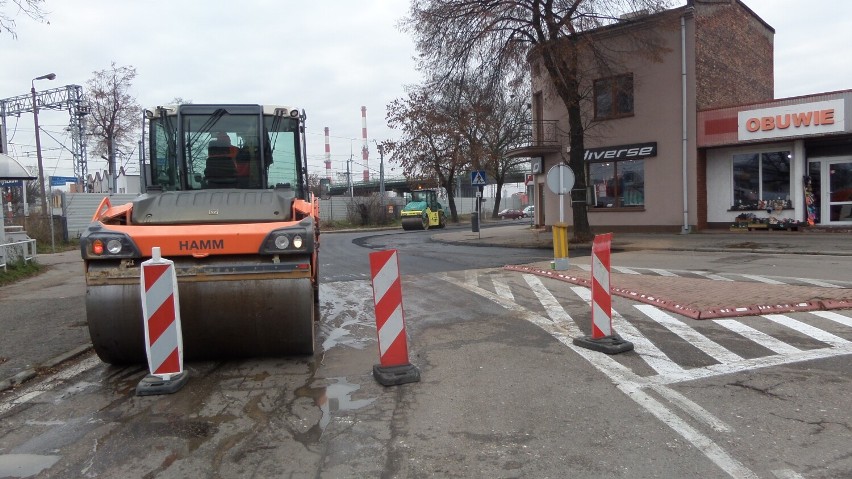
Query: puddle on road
{"points": [[25, 465], [334, 398]]}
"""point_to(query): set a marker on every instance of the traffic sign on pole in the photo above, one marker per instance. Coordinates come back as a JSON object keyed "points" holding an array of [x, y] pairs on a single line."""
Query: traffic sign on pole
{"points": [[478, 178]]}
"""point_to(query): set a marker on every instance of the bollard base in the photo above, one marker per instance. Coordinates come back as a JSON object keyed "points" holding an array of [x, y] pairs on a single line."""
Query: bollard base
{"points": [[560, 264], [607, 344], [396, 375], [152, 385]]}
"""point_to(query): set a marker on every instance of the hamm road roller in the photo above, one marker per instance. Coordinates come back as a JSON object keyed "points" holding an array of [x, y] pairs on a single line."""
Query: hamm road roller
{"points": [[227, 200]]}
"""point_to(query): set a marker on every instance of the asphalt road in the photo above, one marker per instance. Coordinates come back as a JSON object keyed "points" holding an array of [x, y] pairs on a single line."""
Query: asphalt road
{"points": [[504, 391]]}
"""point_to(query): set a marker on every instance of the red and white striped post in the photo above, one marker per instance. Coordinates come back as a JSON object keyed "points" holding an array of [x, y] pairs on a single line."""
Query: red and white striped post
{"points": [[601, 293], [163, 336], [395, 368], [602, 339]]}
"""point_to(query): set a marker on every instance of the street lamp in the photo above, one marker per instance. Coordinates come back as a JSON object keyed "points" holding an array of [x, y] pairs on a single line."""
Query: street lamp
{"points": [[49, 76]]}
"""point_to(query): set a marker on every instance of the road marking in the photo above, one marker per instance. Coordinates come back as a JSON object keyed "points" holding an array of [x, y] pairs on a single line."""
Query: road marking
{"points": [[27, 394], [759, 337], [761, 279], [714, 277], [502, 288], [624, 270], [551, 305], [624, 379], [648, 351], [662, 272], [837, 318], [808, 330], [817, 282], [787, 474], [710, 347]]}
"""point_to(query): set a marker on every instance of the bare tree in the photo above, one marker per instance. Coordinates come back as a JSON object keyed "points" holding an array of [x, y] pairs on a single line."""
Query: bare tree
{"points": [[115, 117], [30, 8], [431, 146], [507, 35]]}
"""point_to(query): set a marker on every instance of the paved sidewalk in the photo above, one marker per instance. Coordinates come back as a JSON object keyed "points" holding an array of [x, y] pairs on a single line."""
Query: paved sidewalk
{"points": [[695, 298]]}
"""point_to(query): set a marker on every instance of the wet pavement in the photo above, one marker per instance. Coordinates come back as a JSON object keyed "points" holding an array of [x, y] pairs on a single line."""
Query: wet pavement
{"points": [[21, 358]]}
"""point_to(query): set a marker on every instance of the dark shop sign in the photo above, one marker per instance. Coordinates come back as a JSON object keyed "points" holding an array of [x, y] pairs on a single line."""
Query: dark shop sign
{"points": [[635, 151]]}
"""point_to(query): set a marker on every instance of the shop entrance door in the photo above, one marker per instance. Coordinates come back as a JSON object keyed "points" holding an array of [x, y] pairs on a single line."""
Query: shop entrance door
{"points": [[831, 183]]}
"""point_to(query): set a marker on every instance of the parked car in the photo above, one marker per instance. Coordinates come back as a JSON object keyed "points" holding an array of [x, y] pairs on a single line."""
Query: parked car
{"points": [[529, 211], [510, 214]]}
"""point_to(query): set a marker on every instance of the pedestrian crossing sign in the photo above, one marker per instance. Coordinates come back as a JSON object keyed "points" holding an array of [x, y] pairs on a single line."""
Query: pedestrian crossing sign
{"points": [[478, 178]]}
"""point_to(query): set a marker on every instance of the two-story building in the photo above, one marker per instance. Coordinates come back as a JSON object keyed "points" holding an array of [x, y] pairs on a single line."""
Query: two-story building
{"points": [[689, 136]]}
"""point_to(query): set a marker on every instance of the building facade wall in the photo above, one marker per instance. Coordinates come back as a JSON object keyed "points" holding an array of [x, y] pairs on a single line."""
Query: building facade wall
{"points": [[717, 72], [733, 55]]}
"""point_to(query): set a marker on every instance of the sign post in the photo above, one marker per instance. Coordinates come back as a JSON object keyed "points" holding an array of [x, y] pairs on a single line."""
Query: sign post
{"points": [[560, 180], [479, 179]]}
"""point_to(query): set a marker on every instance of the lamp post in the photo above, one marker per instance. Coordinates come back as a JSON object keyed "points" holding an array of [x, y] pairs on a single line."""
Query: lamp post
{"points": [[49, 76]]}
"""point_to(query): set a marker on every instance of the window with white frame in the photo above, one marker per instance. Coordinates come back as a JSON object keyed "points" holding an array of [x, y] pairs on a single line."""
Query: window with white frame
{"points": [[760, 179]]}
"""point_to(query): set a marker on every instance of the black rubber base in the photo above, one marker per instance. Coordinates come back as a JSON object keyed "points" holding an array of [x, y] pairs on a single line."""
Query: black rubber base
{"points": [[152, 385], [396, 375], [607, 344]]}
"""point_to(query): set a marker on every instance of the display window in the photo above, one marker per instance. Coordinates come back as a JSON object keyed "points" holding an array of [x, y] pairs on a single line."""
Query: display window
{"points": [[618, 184]]}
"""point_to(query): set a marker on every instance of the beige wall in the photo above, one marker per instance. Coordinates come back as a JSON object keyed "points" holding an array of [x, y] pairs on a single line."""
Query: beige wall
{"points": [[658, 109]]}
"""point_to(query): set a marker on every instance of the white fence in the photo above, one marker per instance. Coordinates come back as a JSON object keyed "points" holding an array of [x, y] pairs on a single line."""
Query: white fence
{"points": [[17, 250]]}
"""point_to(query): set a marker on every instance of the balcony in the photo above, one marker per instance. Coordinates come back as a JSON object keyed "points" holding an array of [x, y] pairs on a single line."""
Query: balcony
{"points": [[542, 137]]}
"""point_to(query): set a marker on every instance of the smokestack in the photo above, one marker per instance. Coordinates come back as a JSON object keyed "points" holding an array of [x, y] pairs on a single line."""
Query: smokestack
{"points": [[365, 150], [327, 157]]}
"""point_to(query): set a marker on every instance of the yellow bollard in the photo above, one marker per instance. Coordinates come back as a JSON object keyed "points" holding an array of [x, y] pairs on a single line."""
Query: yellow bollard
{"points": [[560, 247]]}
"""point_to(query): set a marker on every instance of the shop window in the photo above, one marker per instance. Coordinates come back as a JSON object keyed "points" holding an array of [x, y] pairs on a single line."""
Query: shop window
{"points": [[613, 97], [761, 179], [618, 184]]}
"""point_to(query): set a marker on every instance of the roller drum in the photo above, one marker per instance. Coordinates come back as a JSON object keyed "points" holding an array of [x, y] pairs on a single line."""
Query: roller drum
{"points": [[414, 223], [219, 319]]}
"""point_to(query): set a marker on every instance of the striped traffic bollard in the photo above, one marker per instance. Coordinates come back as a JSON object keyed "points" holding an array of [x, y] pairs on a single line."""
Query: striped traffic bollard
{"points": [[395, 368], [602, 339], [163, 337]]}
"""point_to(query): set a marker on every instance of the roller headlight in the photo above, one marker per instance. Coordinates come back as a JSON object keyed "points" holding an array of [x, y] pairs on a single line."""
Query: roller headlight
{"points": [[114, 246], [287, 240], [98, 243], [282, 242]]}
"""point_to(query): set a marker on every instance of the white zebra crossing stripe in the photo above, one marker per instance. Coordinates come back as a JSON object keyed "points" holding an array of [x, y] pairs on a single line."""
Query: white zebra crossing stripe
{"points": [[710, 347], [837, 318], [624, 270], [761, 279], [501, 288], [662, 272], [816, 282], [554, 310], [808, 330], [714, 277], [649, 352], [759, 337]]}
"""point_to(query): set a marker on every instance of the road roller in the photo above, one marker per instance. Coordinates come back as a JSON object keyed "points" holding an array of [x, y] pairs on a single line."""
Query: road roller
{"points": [[227, 200], [423, 211]]}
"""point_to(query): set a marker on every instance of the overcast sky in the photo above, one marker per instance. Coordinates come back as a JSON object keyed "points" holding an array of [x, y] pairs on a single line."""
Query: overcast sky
{"points": [[329, 57]]}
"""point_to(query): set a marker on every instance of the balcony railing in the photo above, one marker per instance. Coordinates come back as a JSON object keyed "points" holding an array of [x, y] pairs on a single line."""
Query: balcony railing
{"points": [[542, 136]]}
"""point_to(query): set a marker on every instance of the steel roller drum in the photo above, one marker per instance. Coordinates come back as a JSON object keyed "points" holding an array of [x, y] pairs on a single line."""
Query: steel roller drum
{"points": [[219, 319], [415, 223]]}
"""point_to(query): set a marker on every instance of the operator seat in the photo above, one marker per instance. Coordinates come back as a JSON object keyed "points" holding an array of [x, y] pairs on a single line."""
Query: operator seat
{"points": [[220, 172]]}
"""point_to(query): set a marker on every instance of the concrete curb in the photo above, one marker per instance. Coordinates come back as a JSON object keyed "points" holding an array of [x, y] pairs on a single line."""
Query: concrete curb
{"points": [[30, 373]]}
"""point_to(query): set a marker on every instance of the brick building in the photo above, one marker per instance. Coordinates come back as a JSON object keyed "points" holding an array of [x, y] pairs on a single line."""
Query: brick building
{"points": [[662, 148]]}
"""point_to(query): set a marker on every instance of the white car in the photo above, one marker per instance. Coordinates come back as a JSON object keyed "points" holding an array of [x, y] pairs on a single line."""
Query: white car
{"points": [[529, 211]]}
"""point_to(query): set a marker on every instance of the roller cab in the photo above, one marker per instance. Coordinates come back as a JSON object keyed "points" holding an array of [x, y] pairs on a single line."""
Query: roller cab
{"points": [[228, 202]]}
